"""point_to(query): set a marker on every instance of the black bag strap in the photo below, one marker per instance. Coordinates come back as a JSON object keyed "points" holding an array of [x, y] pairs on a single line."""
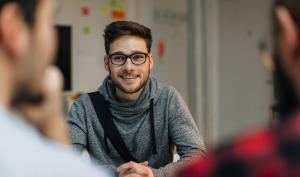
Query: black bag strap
{"points": [[105, 117]]}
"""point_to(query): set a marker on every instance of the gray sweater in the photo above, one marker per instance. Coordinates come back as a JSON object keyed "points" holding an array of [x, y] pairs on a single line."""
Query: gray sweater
{"points": [[173, 125]]}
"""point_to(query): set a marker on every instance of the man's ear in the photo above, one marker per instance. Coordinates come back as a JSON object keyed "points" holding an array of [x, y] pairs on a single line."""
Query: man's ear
{"points": [[288, 41], [106, 63], [13, 30], [151, 60]]}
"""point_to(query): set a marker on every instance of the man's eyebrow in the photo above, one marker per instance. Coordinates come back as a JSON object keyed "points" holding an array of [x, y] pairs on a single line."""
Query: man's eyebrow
{"points": [[132, 52], [138, 51], [118, 52]]}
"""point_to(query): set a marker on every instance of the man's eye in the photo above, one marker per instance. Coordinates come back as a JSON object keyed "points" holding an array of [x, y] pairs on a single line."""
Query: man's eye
{"points": [[118, 58], [138, 57]]}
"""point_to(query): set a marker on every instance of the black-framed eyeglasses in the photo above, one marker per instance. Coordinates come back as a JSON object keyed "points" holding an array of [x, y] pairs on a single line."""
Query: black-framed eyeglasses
{"points": [[137, 58]]}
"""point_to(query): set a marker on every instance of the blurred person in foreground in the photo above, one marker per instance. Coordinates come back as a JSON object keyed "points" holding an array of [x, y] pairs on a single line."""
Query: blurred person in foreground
{"points": [[273, 151], [32, 129]]}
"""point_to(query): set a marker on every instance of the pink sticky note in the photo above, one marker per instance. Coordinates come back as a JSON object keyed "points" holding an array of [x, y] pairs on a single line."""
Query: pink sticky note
{"points": [[85, 11]]}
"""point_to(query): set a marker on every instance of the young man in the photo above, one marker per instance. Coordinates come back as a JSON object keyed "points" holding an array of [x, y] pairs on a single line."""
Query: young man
{"points": [[148, 116], [30, 95], [270, 152]]}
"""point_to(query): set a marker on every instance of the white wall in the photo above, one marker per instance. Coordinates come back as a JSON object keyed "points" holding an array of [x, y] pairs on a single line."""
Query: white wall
{"points": [[244, 92], [232, 90], [170, 26]]}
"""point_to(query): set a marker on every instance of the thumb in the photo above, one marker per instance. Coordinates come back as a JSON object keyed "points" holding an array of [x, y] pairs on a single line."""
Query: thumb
{"points": [[146, 163], [52, 88], [53, 84]]}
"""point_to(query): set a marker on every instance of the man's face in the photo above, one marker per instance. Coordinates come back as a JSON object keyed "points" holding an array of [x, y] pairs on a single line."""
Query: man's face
{"points": [[129, 78], [40, 50]]}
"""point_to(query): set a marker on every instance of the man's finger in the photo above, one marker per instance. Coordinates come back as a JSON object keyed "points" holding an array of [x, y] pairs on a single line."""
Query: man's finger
{"points": [[124, 168], [53, 83], [133, 175], [146, 163], [52, 91], [141, 170]]}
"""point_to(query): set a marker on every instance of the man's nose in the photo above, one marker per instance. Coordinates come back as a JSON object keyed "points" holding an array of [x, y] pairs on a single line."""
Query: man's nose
{"points": [[128, 65]]}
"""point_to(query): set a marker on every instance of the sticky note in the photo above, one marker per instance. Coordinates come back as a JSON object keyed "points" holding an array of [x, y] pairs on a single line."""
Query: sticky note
{"points": [[87, 29], [104, 10], [118, 15], [179, 73], [161, 61], [85, 11], [161, 48], [114, 3], [119, 7]]}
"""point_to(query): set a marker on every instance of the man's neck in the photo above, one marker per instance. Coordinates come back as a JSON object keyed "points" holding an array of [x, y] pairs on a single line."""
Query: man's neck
{"points": [[128, 97]]}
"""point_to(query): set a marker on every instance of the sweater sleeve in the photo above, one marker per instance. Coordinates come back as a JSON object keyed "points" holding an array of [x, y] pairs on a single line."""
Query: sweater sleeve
{"points": [[184, 134], [77, 125]]}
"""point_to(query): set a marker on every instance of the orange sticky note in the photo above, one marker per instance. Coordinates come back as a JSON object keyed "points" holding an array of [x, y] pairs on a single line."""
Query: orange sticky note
{"points": [[161, 49], [118, 15]]}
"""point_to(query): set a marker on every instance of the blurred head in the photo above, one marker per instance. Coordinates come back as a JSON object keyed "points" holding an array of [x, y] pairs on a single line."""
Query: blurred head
{"points": [[28, 44], [286, 36], [128, 58]]}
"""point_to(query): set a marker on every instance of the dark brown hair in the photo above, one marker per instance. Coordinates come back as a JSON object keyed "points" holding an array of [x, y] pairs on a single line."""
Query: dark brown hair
{"points": [[121, 28]]}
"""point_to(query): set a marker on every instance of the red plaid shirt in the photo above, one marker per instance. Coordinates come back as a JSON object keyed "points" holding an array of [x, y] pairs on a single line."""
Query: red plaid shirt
{"points": [[261, 153]]}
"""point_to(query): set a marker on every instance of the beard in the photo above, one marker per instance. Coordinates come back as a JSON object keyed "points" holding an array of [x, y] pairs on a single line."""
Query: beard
{"points": [[24, 95], [122, 88], [137, 89]]}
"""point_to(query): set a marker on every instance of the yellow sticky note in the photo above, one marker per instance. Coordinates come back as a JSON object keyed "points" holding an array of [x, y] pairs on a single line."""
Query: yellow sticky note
{"points": [[104, 10]]}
